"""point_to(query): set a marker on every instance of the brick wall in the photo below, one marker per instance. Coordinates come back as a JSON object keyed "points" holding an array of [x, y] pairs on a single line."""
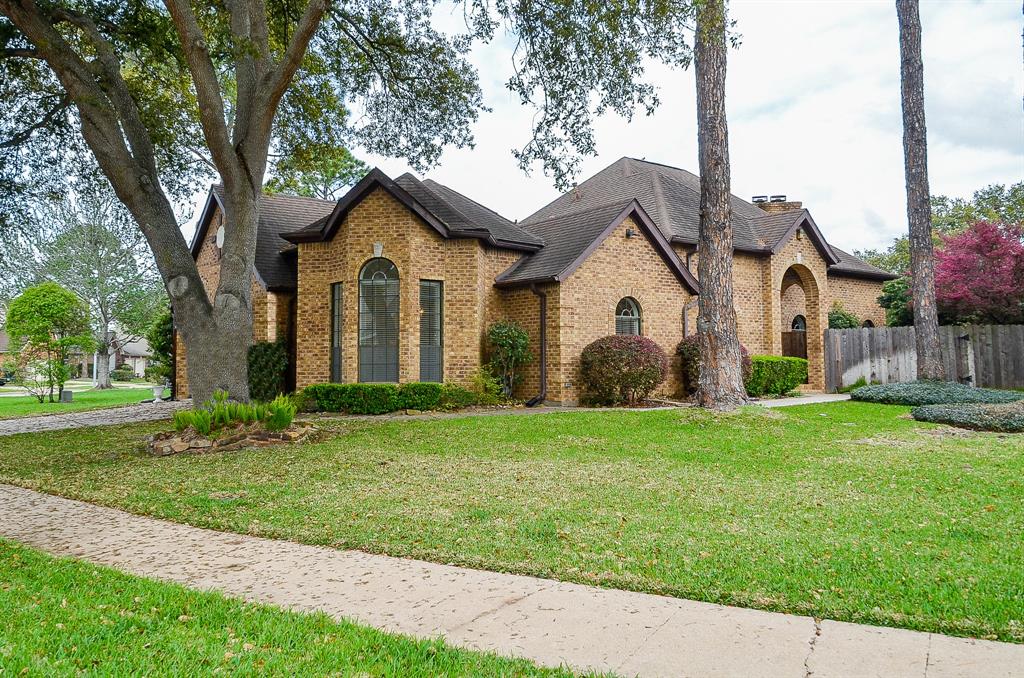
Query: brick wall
{"points": [[858, 296], [465, 266], [619, 267]]}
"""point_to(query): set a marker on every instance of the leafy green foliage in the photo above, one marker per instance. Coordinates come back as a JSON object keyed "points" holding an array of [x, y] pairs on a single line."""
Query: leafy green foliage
{"points": [[1004, 418], [897, 300], [385, 398], [932, 393], [688, 351], [268, 369], [860, 383], [220, 413], [509, 351], [841, 319], [123, 373], [775, 375], [46, 323], [318, 171], [622, 368], [160, 336]]}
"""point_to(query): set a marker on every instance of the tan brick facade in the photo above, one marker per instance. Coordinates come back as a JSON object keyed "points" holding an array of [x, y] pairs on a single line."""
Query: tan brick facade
{"points": [[768, 292]]}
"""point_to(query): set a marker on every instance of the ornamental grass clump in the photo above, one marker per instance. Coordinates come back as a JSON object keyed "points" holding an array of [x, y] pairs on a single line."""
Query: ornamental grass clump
{"points": [[622, 369], [1004, 418], [220, 413], [916, 393]]}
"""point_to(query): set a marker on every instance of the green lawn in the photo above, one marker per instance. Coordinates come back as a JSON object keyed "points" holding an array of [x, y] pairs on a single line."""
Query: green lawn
{"points": [[62, 617], [27, 406], [847, 510]]}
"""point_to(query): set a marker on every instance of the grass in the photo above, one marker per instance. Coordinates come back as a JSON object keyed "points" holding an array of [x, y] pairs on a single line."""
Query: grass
{"points": [[66, 617], [849, 511], [27, 406]]}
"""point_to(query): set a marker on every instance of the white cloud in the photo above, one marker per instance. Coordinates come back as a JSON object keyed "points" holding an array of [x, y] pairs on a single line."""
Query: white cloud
{"points": [[814, 108]]}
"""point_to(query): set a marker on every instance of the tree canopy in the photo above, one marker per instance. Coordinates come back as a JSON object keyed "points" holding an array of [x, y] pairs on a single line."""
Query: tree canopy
{"points": [[951, 216]]}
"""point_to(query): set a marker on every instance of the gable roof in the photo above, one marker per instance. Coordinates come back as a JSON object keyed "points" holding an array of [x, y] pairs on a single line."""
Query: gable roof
{"points": [[671, 197], [449, 213], [573, 237], [278, 214]]}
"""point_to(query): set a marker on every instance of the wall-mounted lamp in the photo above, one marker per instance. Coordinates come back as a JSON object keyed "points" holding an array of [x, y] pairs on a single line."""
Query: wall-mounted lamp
{"points": [[630, 232]]}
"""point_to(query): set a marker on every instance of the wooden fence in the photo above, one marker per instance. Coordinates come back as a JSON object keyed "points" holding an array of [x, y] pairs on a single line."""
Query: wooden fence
{"points": [[982, 355]]}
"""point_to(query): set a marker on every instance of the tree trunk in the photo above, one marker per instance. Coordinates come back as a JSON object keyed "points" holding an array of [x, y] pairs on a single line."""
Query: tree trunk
{"points": [[103, 358], [721, 379], [919, 213]]}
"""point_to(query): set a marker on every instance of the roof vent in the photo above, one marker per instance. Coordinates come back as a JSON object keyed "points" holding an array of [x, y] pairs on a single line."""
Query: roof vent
{"points": [[778, 198], [759, 199]]}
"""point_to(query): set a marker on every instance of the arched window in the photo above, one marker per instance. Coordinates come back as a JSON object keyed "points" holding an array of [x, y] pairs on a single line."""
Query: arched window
{"points": [[868, 323], [628, 317], [799, 324], [378, 321]]}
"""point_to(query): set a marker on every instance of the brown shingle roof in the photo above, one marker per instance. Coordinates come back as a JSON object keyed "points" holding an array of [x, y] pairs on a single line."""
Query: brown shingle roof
{"points": [[278, 214]]}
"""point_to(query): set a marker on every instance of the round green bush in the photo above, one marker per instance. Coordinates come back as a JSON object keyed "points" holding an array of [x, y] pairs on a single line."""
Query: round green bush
{"points": [[688, 351], [1004, 418], [932, 393], [775, 375], [622, 368]]}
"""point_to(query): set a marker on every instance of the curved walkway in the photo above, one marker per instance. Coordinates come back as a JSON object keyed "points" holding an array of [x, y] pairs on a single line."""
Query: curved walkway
{"points": [[549, 622], [110, 416]]}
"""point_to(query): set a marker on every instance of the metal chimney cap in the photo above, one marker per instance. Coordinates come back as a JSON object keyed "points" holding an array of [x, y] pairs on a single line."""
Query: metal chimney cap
{"points": [[778, 198], [759, 198]]}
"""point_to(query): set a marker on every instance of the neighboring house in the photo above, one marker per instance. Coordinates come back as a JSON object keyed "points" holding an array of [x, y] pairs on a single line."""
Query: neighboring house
{"points": [[400, 279]]}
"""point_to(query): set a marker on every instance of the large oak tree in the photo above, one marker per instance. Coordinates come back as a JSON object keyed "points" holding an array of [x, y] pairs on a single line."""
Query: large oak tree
{"points": [[915, 161], [721, 377], [161, 96]]}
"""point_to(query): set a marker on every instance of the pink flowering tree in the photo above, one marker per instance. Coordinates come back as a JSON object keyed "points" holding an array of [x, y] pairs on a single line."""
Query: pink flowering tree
{"points": [[979, 274]]}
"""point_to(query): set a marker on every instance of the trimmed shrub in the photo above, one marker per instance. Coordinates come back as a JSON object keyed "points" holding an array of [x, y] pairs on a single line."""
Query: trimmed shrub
{"points": [[268, 368], [122, 373], [1004, 418], [420, 396], [775, 375], [455, 397], [932, 393], [688, 351], [622, 368]]}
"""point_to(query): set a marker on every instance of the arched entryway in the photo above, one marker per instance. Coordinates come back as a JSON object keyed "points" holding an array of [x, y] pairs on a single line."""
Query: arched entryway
{"points": [[800, 321]]}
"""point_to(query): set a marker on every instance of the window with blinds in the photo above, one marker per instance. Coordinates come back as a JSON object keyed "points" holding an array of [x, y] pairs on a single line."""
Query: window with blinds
{"points": [[627, 317], [336, 332], [379, 294], [431, 330]]}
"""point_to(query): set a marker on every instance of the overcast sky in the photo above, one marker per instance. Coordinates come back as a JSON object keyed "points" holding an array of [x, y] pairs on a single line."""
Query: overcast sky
{"points": [[813, 99]]}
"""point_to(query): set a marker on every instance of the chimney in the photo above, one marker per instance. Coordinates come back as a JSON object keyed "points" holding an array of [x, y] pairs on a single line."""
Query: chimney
{"points": [[776, 203]]}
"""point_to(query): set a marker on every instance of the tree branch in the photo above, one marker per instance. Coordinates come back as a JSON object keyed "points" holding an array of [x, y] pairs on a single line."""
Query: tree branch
{"points": [[45, 121], [211, 104], [278, 79]]}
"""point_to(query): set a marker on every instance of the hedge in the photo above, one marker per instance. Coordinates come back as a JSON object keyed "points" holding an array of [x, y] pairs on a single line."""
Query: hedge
{"points": [[621, 368], [775, 375], [917, 393], [1004, 418], [384, 398]]}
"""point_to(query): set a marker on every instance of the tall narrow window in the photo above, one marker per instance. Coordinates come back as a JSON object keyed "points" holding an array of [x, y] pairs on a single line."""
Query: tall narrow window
{"points": [[336, 332], [378, 321], [431, 330], [627, 317]]}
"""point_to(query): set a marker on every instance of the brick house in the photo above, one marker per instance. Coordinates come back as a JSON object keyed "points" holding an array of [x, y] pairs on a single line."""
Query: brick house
{"points": [[399, 280]]}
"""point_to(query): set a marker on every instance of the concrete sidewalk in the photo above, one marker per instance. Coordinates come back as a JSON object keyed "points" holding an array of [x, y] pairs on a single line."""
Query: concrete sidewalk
{"points": [[809, 399], [550, 622]]}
